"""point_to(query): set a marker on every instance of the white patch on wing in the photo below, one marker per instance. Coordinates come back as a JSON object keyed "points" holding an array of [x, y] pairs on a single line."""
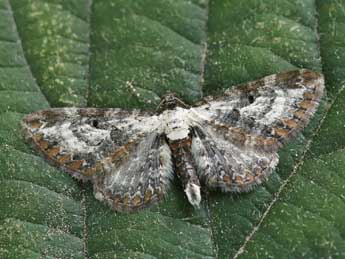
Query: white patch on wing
{"points": [[296, 93], [278, 109], [200, 114], [281, 106], [67, 139], [257, 108], [208, 111], [135, 123]]}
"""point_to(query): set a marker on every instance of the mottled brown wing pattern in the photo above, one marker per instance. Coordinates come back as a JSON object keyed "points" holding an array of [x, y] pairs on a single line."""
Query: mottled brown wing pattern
{"points": [[239, 133], [267, 112], [78, 140], [139, 179], [229, 167], [102, 145]]}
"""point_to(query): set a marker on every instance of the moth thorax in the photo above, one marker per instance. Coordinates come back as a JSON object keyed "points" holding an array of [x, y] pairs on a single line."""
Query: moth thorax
{"points": [[179, 134], [177, 127]]}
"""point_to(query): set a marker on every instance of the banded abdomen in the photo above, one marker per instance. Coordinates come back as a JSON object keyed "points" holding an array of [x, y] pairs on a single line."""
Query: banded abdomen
{"points": [[185, 169]]}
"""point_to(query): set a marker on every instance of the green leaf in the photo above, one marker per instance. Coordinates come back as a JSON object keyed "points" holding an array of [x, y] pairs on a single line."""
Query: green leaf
{"points": [[127, 53]]}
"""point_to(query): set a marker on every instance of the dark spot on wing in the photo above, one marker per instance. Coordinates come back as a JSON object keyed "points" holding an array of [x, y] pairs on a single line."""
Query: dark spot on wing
{"points": [[248, 122], [95, 123], [250, 98], [76, 157], [232, 117]]}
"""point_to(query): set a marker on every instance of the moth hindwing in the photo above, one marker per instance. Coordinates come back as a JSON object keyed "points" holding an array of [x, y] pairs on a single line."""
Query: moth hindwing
{"points": [[228, 143]]}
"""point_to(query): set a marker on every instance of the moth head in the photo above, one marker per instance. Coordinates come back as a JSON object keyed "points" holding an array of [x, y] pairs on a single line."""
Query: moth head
{"points": [[170, 101]]}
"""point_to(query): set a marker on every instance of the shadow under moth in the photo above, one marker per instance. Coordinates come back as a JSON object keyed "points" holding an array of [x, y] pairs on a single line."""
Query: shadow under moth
{"points": [[227, 143]]}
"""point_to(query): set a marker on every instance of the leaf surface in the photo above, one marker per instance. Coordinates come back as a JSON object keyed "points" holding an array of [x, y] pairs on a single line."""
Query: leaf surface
{"points": [[128, 53]]}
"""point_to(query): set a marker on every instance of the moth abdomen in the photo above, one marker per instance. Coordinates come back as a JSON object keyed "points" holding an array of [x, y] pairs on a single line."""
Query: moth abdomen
{"points": [[185, 169]]}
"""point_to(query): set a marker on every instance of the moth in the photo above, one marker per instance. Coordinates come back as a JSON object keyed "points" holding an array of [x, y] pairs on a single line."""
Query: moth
{"points": [[227, 143]]}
